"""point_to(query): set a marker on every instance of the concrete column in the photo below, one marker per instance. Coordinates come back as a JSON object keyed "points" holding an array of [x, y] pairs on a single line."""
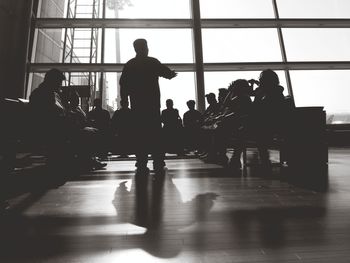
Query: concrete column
{"points": [[15, 20]]}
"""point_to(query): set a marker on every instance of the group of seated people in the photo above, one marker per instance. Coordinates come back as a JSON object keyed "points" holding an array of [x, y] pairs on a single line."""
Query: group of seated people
{"points": [[56, 114], [235, 116], [58, 123]]}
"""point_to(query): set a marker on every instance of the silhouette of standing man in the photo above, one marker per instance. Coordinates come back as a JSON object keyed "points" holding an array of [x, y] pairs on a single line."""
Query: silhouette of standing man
{"points": [[139, 81]]}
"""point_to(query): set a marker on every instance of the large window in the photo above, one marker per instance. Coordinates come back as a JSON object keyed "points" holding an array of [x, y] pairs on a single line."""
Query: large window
{"points": [[209, 43]]}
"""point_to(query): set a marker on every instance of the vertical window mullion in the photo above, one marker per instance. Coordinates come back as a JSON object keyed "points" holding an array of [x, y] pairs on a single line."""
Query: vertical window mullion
{"points": [[102, 47], [198, 53], [283, 50]]}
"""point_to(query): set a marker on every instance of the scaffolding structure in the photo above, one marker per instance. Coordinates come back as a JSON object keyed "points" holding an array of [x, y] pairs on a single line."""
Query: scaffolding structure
{"points": [[81, 45]]}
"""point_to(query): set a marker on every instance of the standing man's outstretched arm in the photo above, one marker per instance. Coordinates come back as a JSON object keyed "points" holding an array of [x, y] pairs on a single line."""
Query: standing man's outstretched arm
{"points": [[166, 72]]}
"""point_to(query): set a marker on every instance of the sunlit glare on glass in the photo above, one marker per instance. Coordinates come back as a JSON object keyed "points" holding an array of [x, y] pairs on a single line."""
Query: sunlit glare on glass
{"points": [[314, 8], [330, 89], [236, 9], [148, 9]]}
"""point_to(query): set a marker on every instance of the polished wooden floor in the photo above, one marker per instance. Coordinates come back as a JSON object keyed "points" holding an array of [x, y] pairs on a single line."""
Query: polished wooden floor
{"points": [[197, 213]]}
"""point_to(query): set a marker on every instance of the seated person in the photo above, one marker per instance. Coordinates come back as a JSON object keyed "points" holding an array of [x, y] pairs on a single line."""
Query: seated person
{"points": [[172, 128], [229, 121], [7, 139], [122, 129], [192, 121], [212, 109], [51, 121], [87, 140], [99, 118], [267, 112], [222, 95], [48, 117]]}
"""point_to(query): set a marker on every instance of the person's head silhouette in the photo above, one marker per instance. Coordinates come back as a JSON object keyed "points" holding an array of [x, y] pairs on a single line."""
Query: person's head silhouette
{"points": [[240, 87], [98, 103], [54, 78], [269, 79], [141, 48], [222, 94], [191, 104], [169, 103], [211, 99]]}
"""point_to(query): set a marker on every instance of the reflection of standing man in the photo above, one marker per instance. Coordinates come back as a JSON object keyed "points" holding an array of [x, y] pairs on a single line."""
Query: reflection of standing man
{"points": [[139, 81]]}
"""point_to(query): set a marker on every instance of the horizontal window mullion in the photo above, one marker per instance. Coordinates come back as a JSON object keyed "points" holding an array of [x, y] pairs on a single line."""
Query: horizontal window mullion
{"points": [[112, 23], [98, 67], [189, 67], [252, 66], [273, 23], [187, 23]]}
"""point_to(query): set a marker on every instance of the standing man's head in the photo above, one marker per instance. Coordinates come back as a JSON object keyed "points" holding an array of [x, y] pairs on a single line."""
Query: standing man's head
{"points": [[54, 78], [169, 103], [141, 48], [191, 104]]}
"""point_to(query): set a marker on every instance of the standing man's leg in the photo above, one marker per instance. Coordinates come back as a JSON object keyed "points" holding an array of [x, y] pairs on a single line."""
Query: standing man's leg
{"points": [[141, 160], [140, 141]]}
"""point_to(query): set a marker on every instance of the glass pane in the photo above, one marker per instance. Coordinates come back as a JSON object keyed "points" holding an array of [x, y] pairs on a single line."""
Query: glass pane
{"points": [[317, 44], [33, 82], [75, 8], [111, 88], [216, 80], [91, 79], [53, 8], [330, 89], [240, 45], [236, 9], [314, 8], [48, 46], [82, 78], [180, 89], [147, 9], [80, 45], [86, 9], [167, 45]]}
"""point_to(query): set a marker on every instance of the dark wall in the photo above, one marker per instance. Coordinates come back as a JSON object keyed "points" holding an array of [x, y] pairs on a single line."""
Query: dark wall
{"points": [[14, 33]]}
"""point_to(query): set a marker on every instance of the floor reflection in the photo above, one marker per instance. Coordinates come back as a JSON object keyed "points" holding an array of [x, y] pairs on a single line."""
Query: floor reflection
{"points": [[159, 208]]}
